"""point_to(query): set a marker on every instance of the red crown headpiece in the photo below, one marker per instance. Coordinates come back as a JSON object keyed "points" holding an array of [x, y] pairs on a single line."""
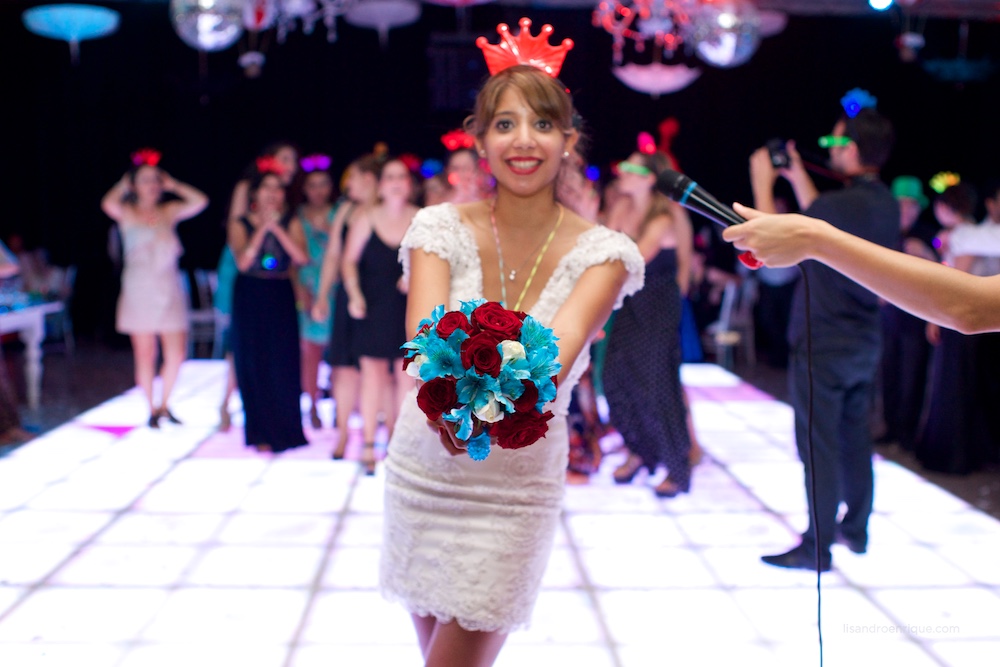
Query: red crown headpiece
{"points": [[524, 49], [268, 164], [146, 156]]}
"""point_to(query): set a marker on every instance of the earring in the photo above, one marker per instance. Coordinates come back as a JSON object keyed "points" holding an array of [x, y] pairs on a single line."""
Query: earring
{"points": [[565, 154], [482, 152]]}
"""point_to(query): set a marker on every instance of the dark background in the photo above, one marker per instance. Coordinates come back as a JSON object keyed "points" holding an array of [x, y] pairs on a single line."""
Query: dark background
{"points": [[70, 129]]}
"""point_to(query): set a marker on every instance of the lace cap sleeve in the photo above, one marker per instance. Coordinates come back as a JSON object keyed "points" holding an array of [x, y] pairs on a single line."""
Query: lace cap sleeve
{"points": [[434, 230], [605, 245]]}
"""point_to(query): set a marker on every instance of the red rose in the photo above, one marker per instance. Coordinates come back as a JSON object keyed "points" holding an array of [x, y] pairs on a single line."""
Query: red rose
{"points": [[437, 396], [480, 352], [520, 429], [453, 320], [528, 399], [491, 316]]}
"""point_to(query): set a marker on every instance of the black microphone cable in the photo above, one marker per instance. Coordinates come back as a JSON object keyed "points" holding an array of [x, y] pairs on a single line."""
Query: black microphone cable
{"points": [[690, 195]]}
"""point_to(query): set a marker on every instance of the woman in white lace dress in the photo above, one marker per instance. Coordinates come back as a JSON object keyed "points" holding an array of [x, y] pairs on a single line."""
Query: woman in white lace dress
{"points": [[466, 542]]}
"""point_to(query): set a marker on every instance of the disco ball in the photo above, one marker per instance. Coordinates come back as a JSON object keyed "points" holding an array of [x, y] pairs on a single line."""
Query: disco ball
{"points": [[726, 33], [207, 25]]}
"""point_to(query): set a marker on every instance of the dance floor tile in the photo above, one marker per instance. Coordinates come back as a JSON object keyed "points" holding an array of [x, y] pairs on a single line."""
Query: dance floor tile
{"points": [[360, 530], [678, 650], [646, 568], [357, 617], [965, 653], [32, 528], [966, 527], [662, 618], [280, 566], [560, 618], [848, 650], [203, 615], [8, 596], [206, 655], [88, 615], [124, 546], [108, 565], [352, 568], [277, 529], [735, 529], [741, 567], [562, 570], [900, 565], [943, 613], [179, 529], [59, 655], [607, 530], [327, 655], [520, 655]]}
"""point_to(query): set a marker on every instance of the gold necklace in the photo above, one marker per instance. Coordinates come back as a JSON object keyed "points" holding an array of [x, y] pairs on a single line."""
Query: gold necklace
{"points": [[534, 268]]}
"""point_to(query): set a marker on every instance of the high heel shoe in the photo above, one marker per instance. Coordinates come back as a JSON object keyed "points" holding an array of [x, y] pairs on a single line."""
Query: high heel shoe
{"points": [[314, 419], [339, 450], [668, 488], [368, 459], [154, 420], [626, 472], [165, 413]]}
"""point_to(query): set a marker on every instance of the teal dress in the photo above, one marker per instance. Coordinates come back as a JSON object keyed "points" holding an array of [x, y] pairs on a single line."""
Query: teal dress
{"points": [[308, 276]]}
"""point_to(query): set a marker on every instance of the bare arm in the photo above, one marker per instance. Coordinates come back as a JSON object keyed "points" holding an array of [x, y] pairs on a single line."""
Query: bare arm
{"points": [[245, 247], [684, 232], [931, 291], [331, 264], [357, 237], [192, 200], [586, 311], [293, 240], [112, 203], [240, 200], [796, 174]]}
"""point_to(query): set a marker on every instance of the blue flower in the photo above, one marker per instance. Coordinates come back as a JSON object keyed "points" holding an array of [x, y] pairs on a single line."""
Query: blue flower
{"points": [[443, 359], [479, 447], [463, 417], [475, 390], [469, 306], [435, 317]]}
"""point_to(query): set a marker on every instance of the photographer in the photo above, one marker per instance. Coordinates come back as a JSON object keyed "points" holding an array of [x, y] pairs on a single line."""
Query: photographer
{"points": [[845, 332]]}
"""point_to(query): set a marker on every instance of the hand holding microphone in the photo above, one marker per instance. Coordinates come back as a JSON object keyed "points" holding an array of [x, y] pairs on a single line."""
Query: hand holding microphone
{"points": [[690, 195]]}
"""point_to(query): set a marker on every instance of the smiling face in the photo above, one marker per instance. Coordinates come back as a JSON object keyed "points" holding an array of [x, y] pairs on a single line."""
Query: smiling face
{"points": [[270, 195], [524, 150]]}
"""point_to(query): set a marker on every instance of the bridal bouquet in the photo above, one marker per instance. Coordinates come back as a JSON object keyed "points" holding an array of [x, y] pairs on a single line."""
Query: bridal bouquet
{"points": [[488, 370]]}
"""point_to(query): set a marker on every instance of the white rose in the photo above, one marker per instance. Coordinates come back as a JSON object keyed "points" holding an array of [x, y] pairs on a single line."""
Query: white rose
{"points": [[511, 350], [413, 370], [491, 412]]}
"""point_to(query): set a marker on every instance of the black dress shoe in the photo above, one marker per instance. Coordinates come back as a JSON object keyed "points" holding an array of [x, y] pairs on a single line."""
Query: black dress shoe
{"points": [[797, 559], [857, 546]]}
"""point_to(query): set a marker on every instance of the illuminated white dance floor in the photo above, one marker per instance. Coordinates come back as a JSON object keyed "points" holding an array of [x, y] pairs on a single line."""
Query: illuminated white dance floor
{"points": [[121, 546]]}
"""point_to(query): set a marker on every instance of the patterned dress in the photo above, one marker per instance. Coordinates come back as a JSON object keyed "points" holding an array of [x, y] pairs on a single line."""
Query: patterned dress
{"points": [[308, 276], [469, 540], [643, 359]]}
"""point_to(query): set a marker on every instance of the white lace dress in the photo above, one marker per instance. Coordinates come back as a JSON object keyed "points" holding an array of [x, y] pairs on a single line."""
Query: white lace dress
{"points": [[469, 540]]}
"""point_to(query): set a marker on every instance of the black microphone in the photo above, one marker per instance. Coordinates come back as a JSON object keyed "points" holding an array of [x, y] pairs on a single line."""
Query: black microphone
{"points": [[690, 195]]}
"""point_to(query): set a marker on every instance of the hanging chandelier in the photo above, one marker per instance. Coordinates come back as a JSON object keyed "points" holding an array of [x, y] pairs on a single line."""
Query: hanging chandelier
{"points": [[723, 33], [287, 15]]}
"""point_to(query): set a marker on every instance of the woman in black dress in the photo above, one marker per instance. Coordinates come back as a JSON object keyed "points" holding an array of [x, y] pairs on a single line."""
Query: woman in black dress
{"points": [[267, 243], [360, 192], [642, 364], [376, 299]]}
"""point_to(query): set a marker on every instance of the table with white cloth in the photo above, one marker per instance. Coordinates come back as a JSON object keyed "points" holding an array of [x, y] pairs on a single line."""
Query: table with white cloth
{"points": [[27, 318]]}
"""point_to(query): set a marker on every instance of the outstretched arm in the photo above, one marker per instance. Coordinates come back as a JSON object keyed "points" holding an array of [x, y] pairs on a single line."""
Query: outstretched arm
{"points": [[931, 291]]}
